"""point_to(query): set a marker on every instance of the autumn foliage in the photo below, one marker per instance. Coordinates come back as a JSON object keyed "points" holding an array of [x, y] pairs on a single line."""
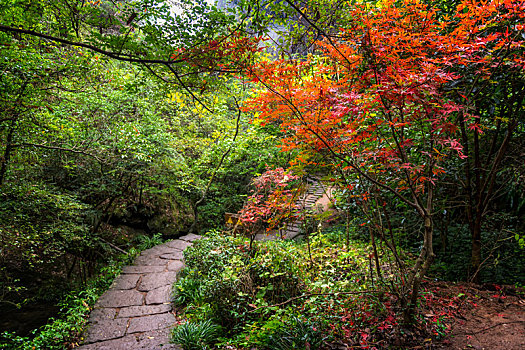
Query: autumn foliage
{"points": [[379, 102], [272, 202]]}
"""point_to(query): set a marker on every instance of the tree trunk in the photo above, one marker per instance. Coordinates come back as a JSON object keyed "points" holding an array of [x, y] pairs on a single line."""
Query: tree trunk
{"points": [[476, 249], [7, 152], [423, 263]]}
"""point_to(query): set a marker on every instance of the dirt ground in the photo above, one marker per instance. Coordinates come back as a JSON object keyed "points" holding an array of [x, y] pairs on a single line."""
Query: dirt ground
{"points": [[488, 317]]}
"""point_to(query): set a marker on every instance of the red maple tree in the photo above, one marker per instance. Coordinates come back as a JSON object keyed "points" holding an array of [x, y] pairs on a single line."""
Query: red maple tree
{"points": [[375, 104], [272, 202]]}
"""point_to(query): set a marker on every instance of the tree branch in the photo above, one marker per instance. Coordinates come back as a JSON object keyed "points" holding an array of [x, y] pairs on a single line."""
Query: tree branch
{"points": [[311, 295], [71, 150], [224, 155], [111, 54]]}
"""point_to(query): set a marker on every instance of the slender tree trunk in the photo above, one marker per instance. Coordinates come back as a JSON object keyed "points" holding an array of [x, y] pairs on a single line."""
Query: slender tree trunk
{"points": [[423, 263], [7, 151], [476, 249], [376, 256]]}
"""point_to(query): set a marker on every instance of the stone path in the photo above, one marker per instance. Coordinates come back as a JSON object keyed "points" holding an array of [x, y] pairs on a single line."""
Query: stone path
{"points": [[136, 313]]}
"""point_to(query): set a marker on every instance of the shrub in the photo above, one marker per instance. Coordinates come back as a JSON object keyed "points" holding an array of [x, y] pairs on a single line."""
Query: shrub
{"points": [[256, 294], [188, 291], [145, 242], [223, 273]]}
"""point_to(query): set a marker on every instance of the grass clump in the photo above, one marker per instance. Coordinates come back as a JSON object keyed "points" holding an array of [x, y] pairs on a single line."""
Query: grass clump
{"points": [[199, 335]]}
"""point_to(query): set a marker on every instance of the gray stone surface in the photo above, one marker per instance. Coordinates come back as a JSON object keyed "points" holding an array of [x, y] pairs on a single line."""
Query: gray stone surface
{"points": [[159, 296], [120, 298], [175, 265], [144, 269], [162, 249], [151, 322], [126, 281], [153, 340], [155, 280], [177, 255], [178, 244], [106, 329], [124, 343], [134, 311], [102, 313], [190, 237], [157, 339], [147, 260]]}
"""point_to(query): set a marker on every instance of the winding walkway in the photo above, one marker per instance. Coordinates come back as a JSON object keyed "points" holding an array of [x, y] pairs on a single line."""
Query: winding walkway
{"points": [[136, 312]]}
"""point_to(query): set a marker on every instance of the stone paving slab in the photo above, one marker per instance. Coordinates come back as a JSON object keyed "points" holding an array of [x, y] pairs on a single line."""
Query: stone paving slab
{"points": [[120, 298], [178, 245], [155, 340], [175, 265], [158, 250], [190, 237], [165, 248], [144, 269], [150, 322], [178, 255], [146, 260], [155, 280], [125, 282], [102, 313], [136, 313], [124, 343], [107, 329], [159, 296]]}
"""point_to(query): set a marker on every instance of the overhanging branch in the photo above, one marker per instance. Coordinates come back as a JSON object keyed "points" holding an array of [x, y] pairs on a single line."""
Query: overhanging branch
{"points": [[111, 54]]}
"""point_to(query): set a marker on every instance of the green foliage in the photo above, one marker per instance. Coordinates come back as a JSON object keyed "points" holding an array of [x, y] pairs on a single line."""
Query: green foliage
{"points": [[146, 242], [230, 277], [256, 295], [289, 333], [40, 228], [91, 146], [520, 240], [66, 329], [195, 335], [502, 257], [188, 291]]}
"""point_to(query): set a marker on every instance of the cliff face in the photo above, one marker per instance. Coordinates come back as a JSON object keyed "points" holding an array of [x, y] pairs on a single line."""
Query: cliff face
{"points": [[281, 40], [223, 4]]}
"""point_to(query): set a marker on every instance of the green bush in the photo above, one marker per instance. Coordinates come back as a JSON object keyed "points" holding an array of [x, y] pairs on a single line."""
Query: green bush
{"points": [[39, 225], [255, 295], [188, 291], [145, 242], [222, 272]]}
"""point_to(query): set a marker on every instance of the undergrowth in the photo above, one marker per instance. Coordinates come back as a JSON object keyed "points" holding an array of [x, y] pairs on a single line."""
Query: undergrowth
{"points": [[65, 331], [282, 295]]}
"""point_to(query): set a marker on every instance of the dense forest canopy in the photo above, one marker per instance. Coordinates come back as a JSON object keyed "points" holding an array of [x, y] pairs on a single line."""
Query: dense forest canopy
{"points": [[120, 120]]}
